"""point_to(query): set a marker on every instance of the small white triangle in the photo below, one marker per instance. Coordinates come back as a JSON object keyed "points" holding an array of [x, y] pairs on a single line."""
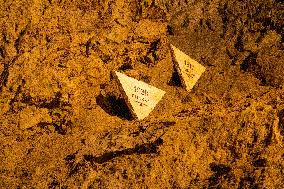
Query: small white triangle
{"points": [[188, 69], [141, 97]]}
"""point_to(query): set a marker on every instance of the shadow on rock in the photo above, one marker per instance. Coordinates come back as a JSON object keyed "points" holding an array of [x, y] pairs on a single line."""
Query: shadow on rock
{"points": [[114, 106], [175, 79], [281, 121]]}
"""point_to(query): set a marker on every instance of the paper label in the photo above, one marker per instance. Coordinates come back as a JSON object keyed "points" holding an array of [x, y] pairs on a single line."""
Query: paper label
{"points": [[140, 96], [189, 70]]}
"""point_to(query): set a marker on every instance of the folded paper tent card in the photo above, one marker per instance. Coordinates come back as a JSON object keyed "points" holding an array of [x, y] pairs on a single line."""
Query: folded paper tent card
{"points": [[141, 97], [188, 69]]}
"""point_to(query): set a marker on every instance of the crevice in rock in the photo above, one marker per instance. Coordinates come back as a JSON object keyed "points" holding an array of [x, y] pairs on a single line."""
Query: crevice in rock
{"points": [[150, 148]]}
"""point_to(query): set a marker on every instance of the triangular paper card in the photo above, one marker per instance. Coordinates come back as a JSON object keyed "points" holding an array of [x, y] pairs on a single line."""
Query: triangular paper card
{"points": [[141, 97], [188, 69]]}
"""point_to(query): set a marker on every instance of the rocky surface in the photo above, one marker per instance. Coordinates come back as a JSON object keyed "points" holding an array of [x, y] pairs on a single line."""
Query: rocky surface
{"points": [[63, 123]]}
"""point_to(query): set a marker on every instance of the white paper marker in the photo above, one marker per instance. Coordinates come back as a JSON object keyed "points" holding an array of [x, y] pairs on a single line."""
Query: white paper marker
{"points": [[188, 69], [141, 97]]}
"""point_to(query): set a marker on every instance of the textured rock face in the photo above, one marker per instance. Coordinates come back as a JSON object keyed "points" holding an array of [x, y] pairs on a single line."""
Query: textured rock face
{"points": [[63, 123]]}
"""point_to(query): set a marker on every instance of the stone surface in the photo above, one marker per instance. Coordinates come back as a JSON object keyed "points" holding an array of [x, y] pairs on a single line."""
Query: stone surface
{"points": [[140, 96], [31, 116], [56, 58]]}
